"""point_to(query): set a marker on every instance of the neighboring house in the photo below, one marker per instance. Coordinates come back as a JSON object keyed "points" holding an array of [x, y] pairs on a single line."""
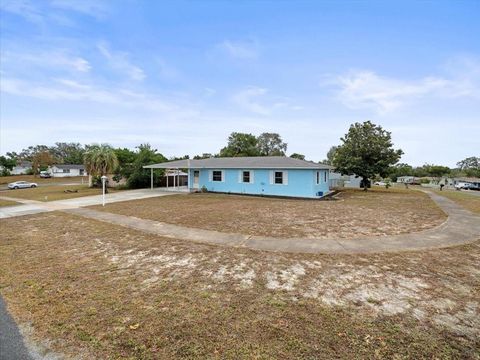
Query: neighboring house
{"points": [[21, 168], [67, 170], [262, 175], [348, 181], [408, 180]]}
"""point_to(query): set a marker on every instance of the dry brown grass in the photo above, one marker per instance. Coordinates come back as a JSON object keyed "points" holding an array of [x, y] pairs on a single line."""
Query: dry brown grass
{"points": [[7, 203], [379, 212], [102, 291], [54, 192], [468, 200], [30, 178]]}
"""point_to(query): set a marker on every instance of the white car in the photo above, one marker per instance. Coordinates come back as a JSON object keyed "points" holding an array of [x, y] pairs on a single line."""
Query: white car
{"points": [[380, 183], [463, 186], [21, 185]]}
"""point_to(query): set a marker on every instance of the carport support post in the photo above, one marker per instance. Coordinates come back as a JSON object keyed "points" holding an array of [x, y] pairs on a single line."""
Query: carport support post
{"points": [[151, 178]]}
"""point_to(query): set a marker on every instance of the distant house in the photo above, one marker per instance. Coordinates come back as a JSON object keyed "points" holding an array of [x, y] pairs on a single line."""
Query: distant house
{"points": [[67, 170], [347, 181], [411, 180], [22, 167], [262, 175]]}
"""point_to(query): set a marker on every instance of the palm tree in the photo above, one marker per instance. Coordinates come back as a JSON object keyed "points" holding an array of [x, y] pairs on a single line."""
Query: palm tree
{"points": [[99, 160]]}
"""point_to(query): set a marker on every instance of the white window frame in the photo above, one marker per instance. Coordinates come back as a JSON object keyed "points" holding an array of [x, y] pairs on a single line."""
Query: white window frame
{"points": [[240, 176], [284, 177], [222, 174]]}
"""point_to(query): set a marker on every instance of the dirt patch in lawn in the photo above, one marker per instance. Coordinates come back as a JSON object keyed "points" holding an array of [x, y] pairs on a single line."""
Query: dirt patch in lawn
{"points": [[102, 291], [355, 214], [54, 192], [470, 201]]}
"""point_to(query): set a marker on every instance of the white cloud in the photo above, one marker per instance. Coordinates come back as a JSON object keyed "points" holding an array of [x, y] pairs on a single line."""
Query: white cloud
{"points": [[248, 99], [23, 8], [41, 12], [240, 50], [367, 89], [51, 59], [119, 61], [94, 8]]}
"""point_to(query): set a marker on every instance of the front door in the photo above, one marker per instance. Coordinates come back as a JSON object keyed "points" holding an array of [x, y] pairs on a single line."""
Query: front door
{"points": [[196, 178]]}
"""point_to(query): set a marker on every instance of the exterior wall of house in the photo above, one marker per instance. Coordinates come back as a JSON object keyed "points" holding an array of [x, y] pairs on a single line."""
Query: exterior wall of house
{"points": [[297, 182], [19, 170], [56, 172]]}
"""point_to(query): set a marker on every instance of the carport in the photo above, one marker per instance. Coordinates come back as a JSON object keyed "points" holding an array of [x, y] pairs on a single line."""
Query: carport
{"points": [[172, 169]]}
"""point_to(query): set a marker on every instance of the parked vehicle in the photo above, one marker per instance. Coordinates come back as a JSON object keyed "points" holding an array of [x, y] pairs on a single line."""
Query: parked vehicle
{"points": [[21, 185], [466, 186], [45, 174], [380, 183]]}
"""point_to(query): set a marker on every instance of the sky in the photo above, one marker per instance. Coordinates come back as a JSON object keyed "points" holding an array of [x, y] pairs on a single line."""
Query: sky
{"points": [[183, 75]]}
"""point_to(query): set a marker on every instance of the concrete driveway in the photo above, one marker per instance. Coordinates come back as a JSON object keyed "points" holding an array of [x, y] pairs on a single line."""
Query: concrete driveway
{"points": [[33, 207]]}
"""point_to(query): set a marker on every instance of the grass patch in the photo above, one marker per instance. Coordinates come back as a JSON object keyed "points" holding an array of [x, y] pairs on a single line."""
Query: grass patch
{"points": [[4, 180], [469, 201], [54, 192], [8, 203], [106, 291], [357, 213]]}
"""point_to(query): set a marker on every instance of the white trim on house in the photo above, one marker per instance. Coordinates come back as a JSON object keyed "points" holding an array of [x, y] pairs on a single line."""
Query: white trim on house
{"points": [[222, 174], [284, 177], [241, 176]]}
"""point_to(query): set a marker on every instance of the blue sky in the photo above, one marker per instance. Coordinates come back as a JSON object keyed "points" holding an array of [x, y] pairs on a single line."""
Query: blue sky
{"points": [[184, 75]]}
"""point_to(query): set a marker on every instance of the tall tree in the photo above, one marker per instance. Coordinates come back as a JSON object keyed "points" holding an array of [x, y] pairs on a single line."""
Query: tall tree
{"points": [[100, 160], [68, 153], [436, 171], [40, 161], [297, 156], [271, 144], [470, 166], [6, 164], [330, 155], [240, 144], [366, 151], [400, 170], [140, 177]]}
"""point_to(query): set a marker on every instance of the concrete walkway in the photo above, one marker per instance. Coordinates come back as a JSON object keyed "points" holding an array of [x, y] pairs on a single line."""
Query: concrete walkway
{"points": [[34, 207], [461, 227]]}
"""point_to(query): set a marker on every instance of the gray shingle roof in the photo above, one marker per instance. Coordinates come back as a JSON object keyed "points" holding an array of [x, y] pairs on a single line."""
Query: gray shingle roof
{"points": [[257, 162], [70, 166]]}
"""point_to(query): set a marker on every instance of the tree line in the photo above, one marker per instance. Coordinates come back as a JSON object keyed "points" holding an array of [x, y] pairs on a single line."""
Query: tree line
{"points": [[366, 150]]}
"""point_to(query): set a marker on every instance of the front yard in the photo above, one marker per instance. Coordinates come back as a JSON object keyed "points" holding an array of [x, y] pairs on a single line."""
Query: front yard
{"points": [[90, 289], [7, 203], [378, 212], [469, 200], [54, 192], [30, 178]]}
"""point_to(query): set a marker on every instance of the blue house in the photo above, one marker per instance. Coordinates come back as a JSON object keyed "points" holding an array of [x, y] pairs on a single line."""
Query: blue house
{"points": [[262, 175]]}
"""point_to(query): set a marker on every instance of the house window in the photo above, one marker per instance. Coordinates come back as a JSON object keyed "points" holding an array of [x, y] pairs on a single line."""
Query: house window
{"points": [[216, 175], [318, 177], [66, 170], [325, 176], [246, 176], [278, 177]]}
